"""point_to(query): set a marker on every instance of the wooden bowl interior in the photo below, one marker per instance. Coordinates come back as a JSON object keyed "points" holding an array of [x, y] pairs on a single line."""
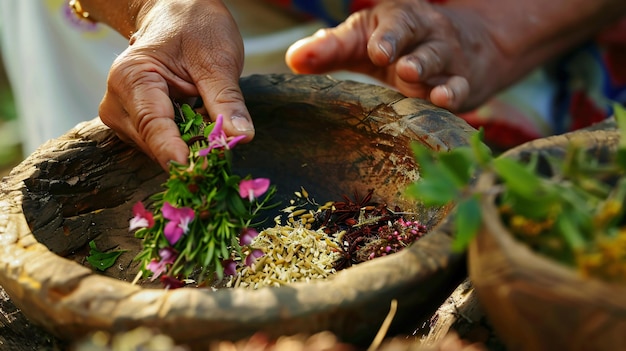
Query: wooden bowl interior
{"points": [[330, 137], [81, 196]]}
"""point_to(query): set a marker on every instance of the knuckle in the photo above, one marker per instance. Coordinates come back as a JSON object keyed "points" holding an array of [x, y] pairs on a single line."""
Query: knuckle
{"points": [[228, 94], [222, 90], [432, 56], [106, 113], [137, 66], [147, 116]]}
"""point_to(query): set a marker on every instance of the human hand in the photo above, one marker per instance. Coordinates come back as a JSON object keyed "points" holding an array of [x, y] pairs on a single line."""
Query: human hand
{"points": [[439, 53], [180, 49]]}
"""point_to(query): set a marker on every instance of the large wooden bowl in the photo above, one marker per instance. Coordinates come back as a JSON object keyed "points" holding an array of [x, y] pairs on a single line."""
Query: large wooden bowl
{"points": [[331, 137], [534, 303]]}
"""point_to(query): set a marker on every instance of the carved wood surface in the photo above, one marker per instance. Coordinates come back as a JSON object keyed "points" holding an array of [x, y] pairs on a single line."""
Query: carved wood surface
{"points": [[329, 136]]}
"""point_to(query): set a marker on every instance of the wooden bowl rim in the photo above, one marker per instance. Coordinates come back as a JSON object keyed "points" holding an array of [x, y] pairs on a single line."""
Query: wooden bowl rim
{"points": [[62, 304]]}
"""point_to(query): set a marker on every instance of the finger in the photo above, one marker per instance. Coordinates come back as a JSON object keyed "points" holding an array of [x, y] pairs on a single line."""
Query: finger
{"points": [[115, 117], [398, 29], [149, 115], [154, 123], [333, 49], [413, 90], [216, 76], [428, 60], [451, 95], [223, 96]]}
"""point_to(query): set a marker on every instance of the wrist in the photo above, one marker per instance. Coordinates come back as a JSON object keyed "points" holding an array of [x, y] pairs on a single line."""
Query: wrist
{"points": [[138, 10], [121, 15], [523, 28], [79, 11], [479, 57]]}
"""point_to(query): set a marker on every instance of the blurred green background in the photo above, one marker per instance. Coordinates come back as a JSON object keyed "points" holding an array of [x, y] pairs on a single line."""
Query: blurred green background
{"points": [[10, 145]]}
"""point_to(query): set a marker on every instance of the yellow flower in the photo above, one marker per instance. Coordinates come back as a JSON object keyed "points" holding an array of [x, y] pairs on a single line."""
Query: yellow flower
{"points": [[605, 259], [609, 210]]}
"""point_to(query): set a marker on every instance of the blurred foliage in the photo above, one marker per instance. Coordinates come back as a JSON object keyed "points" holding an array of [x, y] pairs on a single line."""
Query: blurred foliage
{"points": [[574, 215], [10, 146], [7, 105]]}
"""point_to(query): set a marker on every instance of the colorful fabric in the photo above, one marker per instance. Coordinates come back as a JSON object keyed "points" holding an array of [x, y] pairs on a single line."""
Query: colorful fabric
{"points": [[57, 65], [332, 12]]}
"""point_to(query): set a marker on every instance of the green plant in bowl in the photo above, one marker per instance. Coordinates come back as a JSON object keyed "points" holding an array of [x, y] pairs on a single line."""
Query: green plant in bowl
{"points": [[568, 207], [544, 227]]}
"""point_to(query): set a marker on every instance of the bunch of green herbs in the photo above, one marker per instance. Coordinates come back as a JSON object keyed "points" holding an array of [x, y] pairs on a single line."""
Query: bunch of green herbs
{"points": [[204, 220]]}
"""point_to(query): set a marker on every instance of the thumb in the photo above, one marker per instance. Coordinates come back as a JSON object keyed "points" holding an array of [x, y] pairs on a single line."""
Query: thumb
{"points": [[342, 47]]}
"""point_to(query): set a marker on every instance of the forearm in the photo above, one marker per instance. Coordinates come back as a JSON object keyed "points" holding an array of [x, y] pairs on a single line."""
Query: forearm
{"points": [[532, 32]]}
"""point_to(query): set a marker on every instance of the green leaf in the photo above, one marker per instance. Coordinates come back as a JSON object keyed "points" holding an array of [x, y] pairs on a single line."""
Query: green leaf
{"points": [[481, 151], [211, 251], [423, 156], [571, 232], [102, 260], [517, 178], [188, 112], [189, 245], [617, 196], [188, 126], [219, 270], [233, 181], [537, 208], [208, 129], [236, 205], [437, 184], [225, 254], [467, 221], [460, 163], [620, 117], [432, 192]]}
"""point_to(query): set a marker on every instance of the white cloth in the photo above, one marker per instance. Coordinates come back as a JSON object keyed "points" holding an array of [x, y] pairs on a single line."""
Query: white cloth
{"points": [[57, 65]]}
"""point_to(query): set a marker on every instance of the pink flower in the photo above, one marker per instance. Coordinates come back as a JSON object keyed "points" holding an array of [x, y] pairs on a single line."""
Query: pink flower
{"points": [[218, 139], [143, 218], [253, 188], [171, 282], [246, 236], [168, 256], [230, 267], [254, 254], [179, 221]]}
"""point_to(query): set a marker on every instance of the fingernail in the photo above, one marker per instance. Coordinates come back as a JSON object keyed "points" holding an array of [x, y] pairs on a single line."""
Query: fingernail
{"points": [[415, 62], [241, 123], [449, 95], [387, 48], [418, 68], [320, 33]]}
